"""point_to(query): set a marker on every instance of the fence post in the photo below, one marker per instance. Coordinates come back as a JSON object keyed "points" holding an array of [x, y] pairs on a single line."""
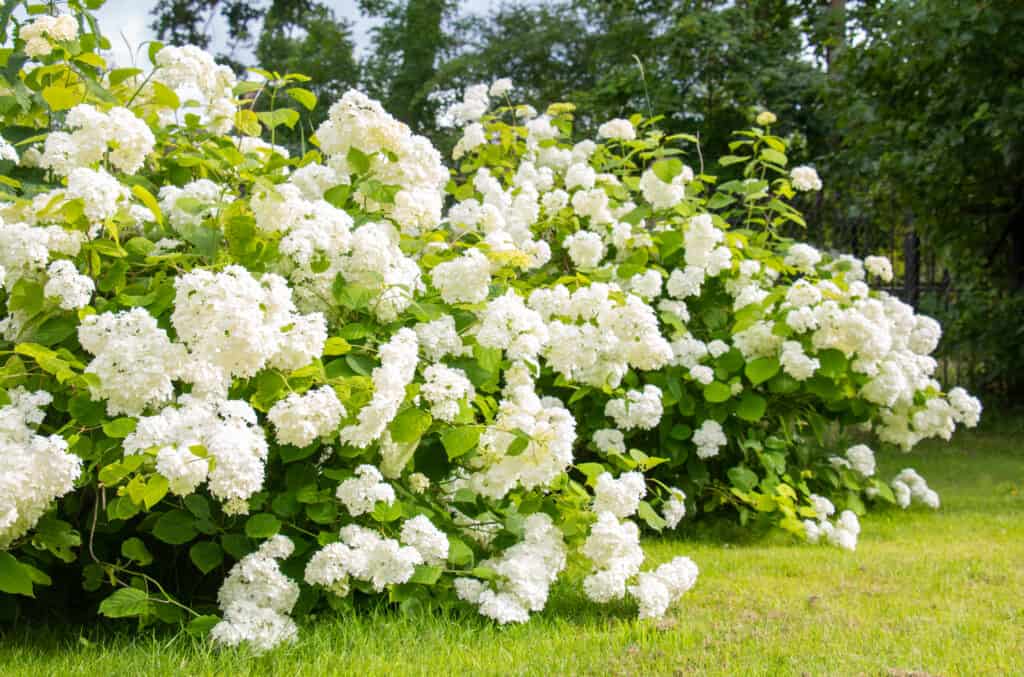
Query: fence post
{"points": [[911, 267]]}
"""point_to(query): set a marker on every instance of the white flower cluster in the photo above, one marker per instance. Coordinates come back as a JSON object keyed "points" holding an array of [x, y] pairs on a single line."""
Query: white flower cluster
{"points": [[376, 262], [586, 249], [46, 29], [201, 196], [65, 284], [361, 493], [662, 194], [186, 436], [256, 599], [398, 361], [709, 438], [120, 136], [859, 457], [397, 158], [421, 534], [438, 339], [509, 325], [34, 469], [594, 340], [618, 129], [674, 509], [656, 590], [525, 573], [365, 555], [239, 325], [465, 279], [610, 441], [621, 497], [194, 76], [549, 430], [300, 419], [614, 548], [134, 359], [908, 485], [842, 534], [805, 178], [445, 388], [638, 409]]}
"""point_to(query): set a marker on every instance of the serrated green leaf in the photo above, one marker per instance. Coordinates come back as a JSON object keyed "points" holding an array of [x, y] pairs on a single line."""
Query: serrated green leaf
{"points": [[135, 550], [761, 369], [175, 527], [262, 525], [125, 603], [14, 579], [206, 555]]}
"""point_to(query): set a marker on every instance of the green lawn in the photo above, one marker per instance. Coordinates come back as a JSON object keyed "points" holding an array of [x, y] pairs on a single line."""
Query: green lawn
{"points": [[926, 593]]}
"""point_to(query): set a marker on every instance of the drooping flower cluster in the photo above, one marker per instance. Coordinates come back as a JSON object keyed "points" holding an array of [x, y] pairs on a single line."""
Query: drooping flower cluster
{"points": [[256, 599], [909, 486], [34, 469], [546, 428], [365, 555], [843, 533], [524, 571]]}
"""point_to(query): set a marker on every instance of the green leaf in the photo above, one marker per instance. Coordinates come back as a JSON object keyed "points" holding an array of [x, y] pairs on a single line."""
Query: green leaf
{"points": [[262, 525], [742, 478], [648, 515], [135, 550], [761, 369], [833, 363], [727, 160], [486, 573], [55, 330], [460, 441], [200, 626], [59, 97], [358, 161], [281, 116], [206, 555], [58, 537], [125, 603], [409, 426], [751, 407], [667, 169], [164, 96], [303, 96], [338, 195], [175, 527], [426, 575], [119, 428], [156, 489], [772, 155], [147, 199], [459, 554], [716, 391], [387, 512], [336, 346], [14, 579]]}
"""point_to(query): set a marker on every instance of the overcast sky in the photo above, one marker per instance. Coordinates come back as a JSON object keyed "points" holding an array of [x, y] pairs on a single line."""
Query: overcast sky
{"points": [[131, 19]]}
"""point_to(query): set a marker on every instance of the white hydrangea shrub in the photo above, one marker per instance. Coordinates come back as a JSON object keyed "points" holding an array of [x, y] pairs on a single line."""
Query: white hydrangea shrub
{"points": [[386, 384]]}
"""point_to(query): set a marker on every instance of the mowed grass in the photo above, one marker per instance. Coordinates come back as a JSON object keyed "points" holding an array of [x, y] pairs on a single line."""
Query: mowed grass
{"points": [[926, 592]]}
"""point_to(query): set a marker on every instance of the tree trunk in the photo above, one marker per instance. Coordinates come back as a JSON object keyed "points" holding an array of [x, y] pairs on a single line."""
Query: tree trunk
{"points": [[422, 42]]}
